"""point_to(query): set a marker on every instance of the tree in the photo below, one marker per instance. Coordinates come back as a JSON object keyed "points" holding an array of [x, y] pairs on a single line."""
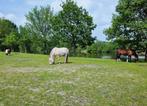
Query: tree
{"points": [[40, 28], [8, 34], [25, 40], [73, 26], [11, 41], [129, 25], [101, 48]]}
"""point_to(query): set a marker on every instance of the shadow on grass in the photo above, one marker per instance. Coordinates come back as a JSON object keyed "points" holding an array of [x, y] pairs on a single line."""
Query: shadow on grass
{"points": [[61, 63]]}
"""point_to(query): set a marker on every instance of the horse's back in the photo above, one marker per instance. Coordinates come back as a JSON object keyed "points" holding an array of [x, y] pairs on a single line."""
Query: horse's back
{"points": [[122, 52], [64, 49], [61, 51]]}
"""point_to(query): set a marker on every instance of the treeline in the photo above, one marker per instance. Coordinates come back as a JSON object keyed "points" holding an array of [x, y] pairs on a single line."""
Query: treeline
{"points": [[27, 40], [71, 27], [98, 49]]}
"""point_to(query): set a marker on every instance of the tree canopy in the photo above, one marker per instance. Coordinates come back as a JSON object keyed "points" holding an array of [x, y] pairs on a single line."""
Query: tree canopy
{"points": [[129, 24], [39, 28], [73, 25], [8, 34]]}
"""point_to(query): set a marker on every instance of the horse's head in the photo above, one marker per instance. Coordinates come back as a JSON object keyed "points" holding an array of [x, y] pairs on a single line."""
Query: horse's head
{"points": [[51, 60]]}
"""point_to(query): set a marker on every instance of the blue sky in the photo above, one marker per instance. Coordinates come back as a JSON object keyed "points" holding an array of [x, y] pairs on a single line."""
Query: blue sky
{"points": [[100, 10]]}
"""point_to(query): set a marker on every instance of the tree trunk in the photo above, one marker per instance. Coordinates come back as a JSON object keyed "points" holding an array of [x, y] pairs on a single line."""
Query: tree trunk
{"points": [[73, 44], [25, 49], [73, 50], [146, 54], [45, 47]]}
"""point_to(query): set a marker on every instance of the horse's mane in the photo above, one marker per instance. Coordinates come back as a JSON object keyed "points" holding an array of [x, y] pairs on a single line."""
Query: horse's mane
{"points": [[52, 51]]}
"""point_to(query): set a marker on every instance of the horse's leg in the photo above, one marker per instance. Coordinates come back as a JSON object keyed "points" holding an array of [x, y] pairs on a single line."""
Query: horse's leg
{"points": [[127, 60], [66, 58], [118, 57], [54, 60]]}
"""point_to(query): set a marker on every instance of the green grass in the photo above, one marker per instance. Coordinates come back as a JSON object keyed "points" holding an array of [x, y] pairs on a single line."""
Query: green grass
{"points": [[29, 80]]}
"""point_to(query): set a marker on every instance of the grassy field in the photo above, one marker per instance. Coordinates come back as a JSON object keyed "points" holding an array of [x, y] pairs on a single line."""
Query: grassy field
{"points": [[28, 80]]}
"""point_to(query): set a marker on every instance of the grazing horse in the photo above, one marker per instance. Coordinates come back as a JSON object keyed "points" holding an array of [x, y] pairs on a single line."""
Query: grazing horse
{"points": [[8, 51], [58, 52], [127, 53]]}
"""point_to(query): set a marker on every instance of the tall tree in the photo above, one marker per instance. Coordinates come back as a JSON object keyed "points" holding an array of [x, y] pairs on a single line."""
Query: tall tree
{"points": [[25, 40], [73, 26], [8, 34], [39, 25], [129, 25]]}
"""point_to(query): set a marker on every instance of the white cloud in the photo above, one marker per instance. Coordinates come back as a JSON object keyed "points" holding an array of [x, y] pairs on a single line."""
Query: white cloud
{"points": [[101, 11], [9, 16], [1, 14], [36, 2], [18, 20], [56, 5], [21, 21], [85, 3]]}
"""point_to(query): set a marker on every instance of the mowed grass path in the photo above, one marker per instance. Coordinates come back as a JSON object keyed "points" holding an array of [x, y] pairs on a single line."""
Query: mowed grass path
{"points": [[28, 80]]}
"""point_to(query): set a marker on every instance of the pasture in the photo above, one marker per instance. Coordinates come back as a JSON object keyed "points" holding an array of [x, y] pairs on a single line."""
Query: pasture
{"points": [[29, 80]]}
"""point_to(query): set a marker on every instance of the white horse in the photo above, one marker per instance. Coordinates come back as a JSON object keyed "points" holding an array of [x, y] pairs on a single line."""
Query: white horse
{"points": [[58, 52]]}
